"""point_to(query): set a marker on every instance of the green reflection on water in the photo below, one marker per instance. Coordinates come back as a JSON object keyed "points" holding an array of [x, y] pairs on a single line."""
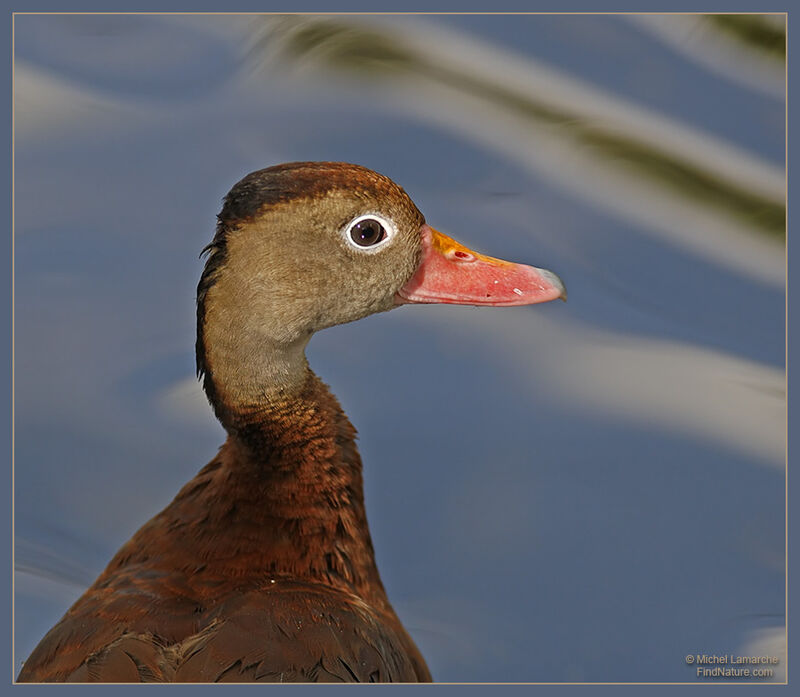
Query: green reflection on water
{"points": [[755, 31], [354, 48]]}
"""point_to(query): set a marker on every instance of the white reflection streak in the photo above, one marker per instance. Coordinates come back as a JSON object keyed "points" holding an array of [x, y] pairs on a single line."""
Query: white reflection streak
{"points": [[697, 391], [538, 81], [665, 385], [716, 52], [693, 226], [769, 642], [185, 401], [47, 106]]}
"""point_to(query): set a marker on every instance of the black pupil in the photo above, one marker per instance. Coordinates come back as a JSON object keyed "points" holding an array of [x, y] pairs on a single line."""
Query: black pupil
{"points": [[367, 232]]}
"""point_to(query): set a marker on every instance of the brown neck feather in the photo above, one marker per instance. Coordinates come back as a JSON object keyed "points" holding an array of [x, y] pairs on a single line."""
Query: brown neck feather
{"points": [[284, 498]]}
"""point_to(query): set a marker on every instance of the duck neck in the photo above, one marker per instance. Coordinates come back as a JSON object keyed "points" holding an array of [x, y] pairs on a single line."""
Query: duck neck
{"points": [[291, 473], [287, 486]]}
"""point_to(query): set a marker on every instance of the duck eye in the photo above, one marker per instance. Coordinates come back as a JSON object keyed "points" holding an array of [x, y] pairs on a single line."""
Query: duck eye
{"points": [[367, 232]]}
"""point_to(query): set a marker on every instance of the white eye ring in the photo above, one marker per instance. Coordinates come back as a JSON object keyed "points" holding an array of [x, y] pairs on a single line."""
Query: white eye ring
{"points": [[351, 233]]}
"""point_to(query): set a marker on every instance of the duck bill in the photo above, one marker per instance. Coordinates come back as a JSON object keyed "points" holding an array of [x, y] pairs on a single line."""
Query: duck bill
{"points": [[450, 273]]}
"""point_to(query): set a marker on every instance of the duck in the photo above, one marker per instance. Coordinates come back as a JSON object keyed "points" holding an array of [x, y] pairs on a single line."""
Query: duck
{"points": [[262, 568]]}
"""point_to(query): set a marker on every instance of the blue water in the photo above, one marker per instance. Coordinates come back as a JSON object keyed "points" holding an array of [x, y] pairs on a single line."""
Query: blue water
{"points": [[524, 531]]}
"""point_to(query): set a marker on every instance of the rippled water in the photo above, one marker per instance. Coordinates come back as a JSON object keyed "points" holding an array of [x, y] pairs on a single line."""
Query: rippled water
{"points": [[586, 491]]}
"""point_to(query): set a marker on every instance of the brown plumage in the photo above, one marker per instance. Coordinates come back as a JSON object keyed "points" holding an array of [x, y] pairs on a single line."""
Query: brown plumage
{"points": [[273, 547], [262, 567]]}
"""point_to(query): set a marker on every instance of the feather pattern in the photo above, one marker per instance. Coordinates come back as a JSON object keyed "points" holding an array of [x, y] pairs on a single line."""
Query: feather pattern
{"points": [[261, 569]]}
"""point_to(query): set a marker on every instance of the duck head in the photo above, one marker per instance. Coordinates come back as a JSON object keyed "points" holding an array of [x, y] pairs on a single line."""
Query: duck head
{"points": [[307, 245]]}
